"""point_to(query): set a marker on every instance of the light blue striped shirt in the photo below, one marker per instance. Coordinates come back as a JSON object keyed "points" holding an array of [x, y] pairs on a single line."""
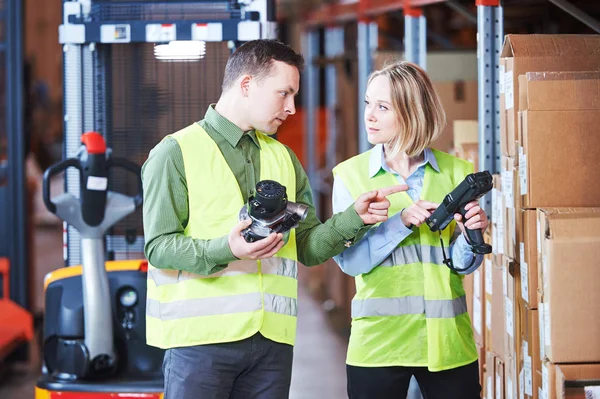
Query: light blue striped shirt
{"points": [[379, 242]]}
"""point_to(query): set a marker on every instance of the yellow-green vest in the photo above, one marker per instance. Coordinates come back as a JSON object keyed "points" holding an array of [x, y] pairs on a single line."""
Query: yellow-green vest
{"points": [[410, 310], [185, 309]]}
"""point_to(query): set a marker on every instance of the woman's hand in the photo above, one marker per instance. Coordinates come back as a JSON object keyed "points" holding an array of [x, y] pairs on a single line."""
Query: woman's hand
{"points": [[416, 214], [476, 218]]}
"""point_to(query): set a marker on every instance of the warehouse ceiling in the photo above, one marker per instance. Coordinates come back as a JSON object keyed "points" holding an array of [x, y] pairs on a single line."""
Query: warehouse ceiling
{"points": [[452, 24]]}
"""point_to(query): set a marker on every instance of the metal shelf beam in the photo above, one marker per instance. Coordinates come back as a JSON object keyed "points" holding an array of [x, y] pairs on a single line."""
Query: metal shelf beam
{"points": [[348, 12]]}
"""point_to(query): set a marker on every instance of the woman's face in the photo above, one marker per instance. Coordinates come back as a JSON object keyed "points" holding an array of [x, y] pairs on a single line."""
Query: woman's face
{"points": [[380, 119]]}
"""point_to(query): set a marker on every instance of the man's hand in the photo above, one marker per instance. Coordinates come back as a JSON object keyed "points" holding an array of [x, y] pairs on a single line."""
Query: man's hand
{"points": [[263, 249], [416, 214], [476, 218], [372, 207]]}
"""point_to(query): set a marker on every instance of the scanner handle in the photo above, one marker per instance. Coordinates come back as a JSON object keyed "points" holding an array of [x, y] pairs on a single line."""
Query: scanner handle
{"points": [[475, 237]]}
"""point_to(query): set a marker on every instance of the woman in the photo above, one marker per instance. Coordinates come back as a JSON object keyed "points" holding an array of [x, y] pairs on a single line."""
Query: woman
{"points": [[409, 315]]}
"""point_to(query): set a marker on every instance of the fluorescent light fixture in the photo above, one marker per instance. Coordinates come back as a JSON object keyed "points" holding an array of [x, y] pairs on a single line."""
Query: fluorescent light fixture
{"points": [[180, 50]]}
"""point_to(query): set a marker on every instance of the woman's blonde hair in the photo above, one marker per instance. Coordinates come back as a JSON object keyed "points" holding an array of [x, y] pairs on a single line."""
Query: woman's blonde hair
{"points": [[421, 116]]}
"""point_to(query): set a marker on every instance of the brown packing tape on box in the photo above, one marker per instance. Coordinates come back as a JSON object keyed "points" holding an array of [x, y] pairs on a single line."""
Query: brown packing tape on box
{"points": [[533, 53], [570, 249]]}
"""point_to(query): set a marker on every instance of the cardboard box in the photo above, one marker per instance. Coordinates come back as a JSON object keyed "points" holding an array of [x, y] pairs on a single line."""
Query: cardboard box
{"points": [[511, 315], [459, 99], [499, 383], [481, 360], [538, 53], [465, 132], [560, 129], [530, 364], [528, 262], [568, 381], [497, 328], [570, 249], [488, 265]]}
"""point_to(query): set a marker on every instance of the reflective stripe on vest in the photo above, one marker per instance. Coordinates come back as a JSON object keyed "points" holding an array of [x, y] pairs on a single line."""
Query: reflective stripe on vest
{"points": [[221, 305], [416, 253], [432, 308], [277, 266]]}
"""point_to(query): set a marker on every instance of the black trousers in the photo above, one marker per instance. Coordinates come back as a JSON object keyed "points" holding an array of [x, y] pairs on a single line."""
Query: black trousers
{"points": [[392, 382]]}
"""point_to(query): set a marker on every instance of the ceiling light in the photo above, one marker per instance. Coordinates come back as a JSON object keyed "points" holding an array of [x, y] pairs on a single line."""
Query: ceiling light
{"points": [[180, 50]]}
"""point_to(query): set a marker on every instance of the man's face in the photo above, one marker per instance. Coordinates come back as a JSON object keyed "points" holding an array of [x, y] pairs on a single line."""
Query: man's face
{"points": [[271, 100]]}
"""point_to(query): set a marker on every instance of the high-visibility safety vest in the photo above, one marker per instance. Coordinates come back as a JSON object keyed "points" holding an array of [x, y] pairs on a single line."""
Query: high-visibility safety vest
{"points": [[185, 309], [410, 310]]}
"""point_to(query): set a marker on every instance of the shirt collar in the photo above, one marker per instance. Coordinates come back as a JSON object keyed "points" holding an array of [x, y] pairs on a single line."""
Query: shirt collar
{"points": [[230, 131], [377, 160]]}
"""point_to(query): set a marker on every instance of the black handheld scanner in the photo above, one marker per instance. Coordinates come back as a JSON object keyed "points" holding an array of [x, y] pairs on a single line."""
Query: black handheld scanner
{"points": [[473, 187]]}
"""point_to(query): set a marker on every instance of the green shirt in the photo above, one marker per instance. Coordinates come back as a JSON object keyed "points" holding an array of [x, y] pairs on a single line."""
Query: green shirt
{"points": [[166, 205]]}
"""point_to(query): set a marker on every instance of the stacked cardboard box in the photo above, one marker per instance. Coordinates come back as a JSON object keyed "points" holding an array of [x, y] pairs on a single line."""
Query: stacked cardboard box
{"points": [[550, 155]]}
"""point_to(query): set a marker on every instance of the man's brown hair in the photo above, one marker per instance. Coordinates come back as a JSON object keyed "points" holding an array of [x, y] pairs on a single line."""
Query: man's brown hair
{"points": [[256, 57]]}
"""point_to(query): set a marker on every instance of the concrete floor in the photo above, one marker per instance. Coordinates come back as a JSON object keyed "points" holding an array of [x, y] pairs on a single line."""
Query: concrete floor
{"points": [[319, 355]]}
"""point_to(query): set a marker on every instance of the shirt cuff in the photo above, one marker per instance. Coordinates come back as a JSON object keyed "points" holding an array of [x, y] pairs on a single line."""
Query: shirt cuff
{"points": [[220, 252], [350, 226]]}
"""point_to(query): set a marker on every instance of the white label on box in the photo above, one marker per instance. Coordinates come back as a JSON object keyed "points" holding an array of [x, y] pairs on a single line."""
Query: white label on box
{"points": [[542, 394], [500, 228], [547, 333], [513, 218], [499, 388], [497, 206], [544, 273], [510, 328], [521, 391], [477, 315], [522, 171], [508, 187], [545, 382], [490, 392], [97, 183], [528, 376], [509, 389], [502, 72], [504, 280], [509, 98], [488, 276], [488, 314], [477, 283], [542, 338], [539, 236], [592, 392], [524, 280]]}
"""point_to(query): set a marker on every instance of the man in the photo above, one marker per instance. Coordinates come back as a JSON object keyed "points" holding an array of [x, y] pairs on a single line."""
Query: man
{"points": [[225, 309]]}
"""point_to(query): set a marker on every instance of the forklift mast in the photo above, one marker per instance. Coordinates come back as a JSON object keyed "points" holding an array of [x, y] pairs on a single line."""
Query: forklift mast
{"points": [[136, 71]]}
